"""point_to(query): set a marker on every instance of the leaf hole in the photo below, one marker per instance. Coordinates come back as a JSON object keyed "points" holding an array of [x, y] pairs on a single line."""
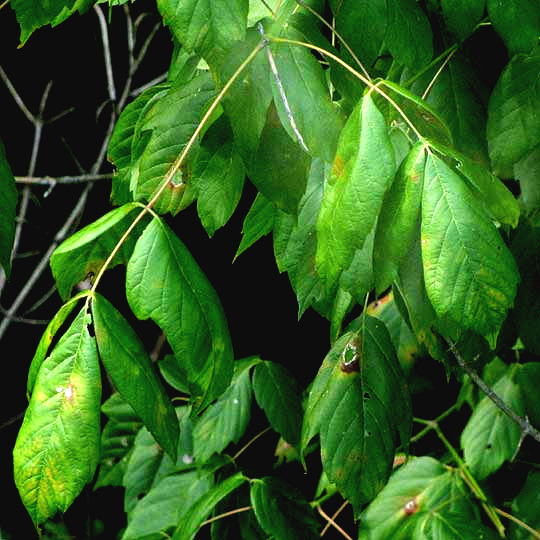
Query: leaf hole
{"points": [[367, 396]]}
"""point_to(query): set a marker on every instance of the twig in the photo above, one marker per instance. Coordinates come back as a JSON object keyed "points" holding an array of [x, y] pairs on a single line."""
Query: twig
{"points": [[519, 522], [227, 514], [523, 423], [49, 180], [336, 514], [333, 523]]}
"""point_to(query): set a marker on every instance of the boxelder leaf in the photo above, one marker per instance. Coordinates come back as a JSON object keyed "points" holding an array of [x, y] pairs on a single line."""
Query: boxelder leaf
{"points": [[8, 205], [208, 27], [470, 275], [132, 374], [165, 283], [57, 449], [408, 33], [278, 394], [398, 220], [420, 492], [358, 404], [85, 252], [226, 420], [511, 14], [362, 170], [490, 437], [281, 511], [190, 522], [513, 127]]}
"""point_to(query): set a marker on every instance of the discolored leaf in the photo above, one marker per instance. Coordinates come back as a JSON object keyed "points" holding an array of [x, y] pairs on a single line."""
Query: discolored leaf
{"points": [[358, 404], [57, 449], [164, 283]]}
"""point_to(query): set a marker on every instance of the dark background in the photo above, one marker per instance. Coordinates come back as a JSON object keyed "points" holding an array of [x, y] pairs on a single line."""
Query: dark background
{"points": [[259, 303]]}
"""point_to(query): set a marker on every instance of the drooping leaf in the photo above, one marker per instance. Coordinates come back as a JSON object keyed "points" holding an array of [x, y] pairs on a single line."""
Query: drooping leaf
{"points": [[8, 205], [303, 80], [197, 512], [132, 374], [86, 251], [408, 33], [362, 170], [490, 437], [57, 448], [509, 15], [359, 406], [419, 501], [281, 511], [470, 275], [226, 420], [462, 16], [158, 513], [165, 283], [208, 27], [398, 220], [513, 126], [279, 395]]}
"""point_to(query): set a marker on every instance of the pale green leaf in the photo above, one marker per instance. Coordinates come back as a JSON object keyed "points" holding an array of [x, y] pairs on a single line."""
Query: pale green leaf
{"points": [[8, 205], [362, 170], [132, 374], [490, 437], [165, 283], [57, 448], [470, 275]]}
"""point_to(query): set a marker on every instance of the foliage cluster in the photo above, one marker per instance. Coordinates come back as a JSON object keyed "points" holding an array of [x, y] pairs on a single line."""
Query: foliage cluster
{"points": [[397, 184]]}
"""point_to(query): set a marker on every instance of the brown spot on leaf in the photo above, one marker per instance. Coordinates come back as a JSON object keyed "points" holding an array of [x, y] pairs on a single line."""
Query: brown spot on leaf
{"points": [[351, 356], [338, 167], [410, 507]]}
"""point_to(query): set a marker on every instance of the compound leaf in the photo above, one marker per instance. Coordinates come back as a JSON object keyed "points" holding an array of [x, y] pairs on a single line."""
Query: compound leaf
{"points": [[57, 449]]}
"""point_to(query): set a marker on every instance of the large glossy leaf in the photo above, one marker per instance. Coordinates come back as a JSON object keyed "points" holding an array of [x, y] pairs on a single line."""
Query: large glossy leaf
{"points": [[226, 420], [362, 170], [208, 27], [470, 275], [490, 436], [86, 251], [398, 220], [281, 511], [511, 14], [359, 406], [8, 204], [422, 501], [132, 374], [165, 283], [57, 449], [513, 127], [279, 395]]}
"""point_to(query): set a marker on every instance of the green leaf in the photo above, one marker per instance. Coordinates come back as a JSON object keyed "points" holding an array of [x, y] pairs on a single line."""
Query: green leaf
{"points": [[226, 420], [513, 127], [528, 379], [306, 89], [117, 440], [219, 185], [192, 520], [132, 374], [358, 404], [398, 220], [509, 15], [168, 502], [527, 172], [408, 33], [280, 397], [281, 511], [165, 131], [280, 167], [362, 170], [208, 27], [525, 508], [57, 448], [462, 16], [8, 207], [86, 251], [165, 283], [419, 496], [258, 222], [32, 15], [470, 275], [490, 437]]}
